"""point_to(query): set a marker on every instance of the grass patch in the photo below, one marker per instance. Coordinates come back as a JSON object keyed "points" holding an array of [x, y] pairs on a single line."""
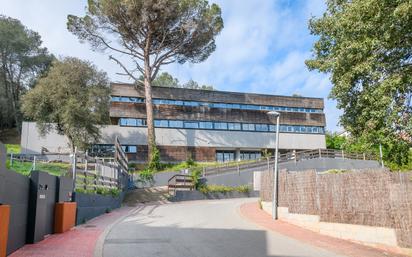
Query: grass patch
{"points": [[24, 168], [206, 189], [12, 148], [176, 167]]}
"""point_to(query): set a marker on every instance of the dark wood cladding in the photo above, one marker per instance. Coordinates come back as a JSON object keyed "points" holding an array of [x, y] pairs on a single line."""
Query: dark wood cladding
{"points": [[176, 153], [138, 110], [218, 96]]}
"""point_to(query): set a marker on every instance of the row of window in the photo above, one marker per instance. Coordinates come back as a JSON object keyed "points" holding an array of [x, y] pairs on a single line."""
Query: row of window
{"points": [[228, 156], [216, 105], [131, 122], [108, 149]]}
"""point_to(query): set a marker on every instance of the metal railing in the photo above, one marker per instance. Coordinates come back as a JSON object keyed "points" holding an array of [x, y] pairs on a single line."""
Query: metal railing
{"points": [[286, 157]]}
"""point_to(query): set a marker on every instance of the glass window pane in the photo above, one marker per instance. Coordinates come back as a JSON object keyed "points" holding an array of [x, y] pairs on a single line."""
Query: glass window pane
{"points": [[220, 125], [115, 99], [234, 126], [272, 128], [161, 123], [248, 127], [219, 156], [206, 125], [191, 124], [262, 127], [175, 123]]}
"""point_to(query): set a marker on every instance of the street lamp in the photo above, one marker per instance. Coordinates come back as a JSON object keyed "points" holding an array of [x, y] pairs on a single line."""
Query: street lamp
{"points": [[275, 172]]}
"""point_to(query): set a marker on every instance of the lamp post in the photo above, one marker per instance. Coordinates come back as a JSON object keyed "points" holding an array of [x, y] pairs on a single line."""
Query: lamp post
{"points": [[275, 170]]}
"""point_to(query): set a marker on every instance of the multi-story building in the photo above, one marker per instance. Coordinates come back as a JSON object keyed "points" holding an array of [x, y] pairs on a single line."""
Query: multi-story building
{"points": [[210, 125], [215, 125]]}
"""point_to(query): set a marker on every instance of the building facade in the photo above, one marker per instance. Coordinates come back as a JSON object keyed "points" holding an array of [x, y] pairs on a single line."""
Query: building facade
{"points": [[206, 125], [215, 125]]}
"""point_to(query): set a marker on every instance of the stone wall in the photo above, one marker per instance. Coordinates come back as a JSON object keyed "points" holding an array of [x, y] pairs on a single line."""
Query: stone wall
{"points": [[364, 197]]}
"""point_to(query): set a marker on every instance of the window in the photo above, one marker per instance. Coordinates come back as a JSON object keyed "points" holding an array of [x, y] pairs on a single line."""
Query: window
{"points": [[272, 128], [262, 127], [206, 125], [128, 122], [102, 150], [129, 148], [175, 123], [115, 99], [161, 123], [250, 155], [225, 156], [220, 125], [248, 127], [234, 126], [190, 103], [191, 124]]}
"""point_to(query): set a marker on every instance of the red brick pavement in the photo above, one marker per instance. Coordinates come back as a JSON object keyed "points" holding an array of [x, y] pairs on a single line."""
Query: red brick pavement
{"points": [[78, 242], [252, 212]]}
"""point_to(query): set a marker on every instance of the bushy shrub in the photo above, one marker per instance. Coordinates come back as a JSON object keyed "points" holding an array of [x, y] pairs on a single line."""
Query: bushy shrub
{"points": [[206, 189]]}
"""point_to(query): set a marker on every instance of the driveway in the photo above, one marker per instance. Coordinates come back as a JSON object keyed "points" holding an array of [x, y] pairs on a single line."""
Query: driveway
{"points": [[199, 228]]}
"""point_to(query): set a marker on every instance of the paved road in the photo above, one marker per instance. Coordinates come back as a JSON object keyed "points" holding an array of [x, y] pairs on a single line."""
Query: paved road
{"points": [[200, 228]]}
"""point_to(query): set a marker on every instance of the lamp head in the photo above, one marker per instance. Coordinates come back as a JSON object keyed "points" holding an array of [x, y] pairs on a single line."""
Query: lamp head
{"points": [[273, 113]]}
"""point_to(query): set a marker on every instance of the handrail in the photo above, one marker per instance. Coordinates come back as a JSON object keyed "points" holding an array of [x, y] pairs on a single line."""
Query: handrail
{"points": [[289, 156]]}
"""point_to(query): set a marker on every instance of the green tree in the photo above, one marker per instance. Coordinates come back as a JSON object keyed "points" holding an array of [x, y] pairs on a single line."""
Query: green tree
{"points": [[22, 60], [164, 79], [335, 141], [151, 33], [366, 46], [72, 99]]}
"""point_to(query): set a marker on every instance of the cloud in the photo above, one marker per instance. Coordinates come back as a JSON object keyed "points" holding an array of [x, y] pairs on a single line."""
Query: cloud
{"points": [[262, 47]]}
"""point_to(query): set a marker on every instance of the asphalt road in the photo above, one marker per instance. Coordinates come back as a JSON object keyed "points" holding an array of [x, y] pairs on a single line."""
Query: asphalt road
{"points": [[199, 229]]}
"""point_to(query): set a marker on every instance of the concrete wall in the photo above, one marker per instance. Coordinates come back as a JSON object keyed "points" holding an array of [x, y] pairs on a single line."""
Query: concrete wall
{"points": [[368, 235], [32, 142], [196, 195], [93, 205]]}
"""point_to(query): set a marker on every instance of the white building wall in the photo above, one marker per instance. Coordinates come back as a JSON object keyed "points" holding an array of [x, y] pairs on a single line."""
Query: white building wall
{"points": [[32, 142]]}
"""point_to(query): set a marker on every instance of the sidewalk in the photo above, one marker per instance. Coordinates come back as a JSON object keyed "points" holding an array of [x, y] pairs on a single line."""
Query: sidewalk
{"points": [[253, 213], [78, 242]]}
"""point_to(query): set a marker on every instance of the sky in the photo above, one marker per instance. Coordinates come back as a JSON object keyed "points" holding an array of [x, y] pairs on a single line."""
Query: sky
{"points": [[261, 49]]}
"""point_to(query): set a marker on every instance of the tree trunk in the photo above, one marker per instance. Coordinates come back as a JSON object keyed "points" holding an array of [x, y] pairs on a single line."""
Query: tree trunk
{"points": [[151, 137]]}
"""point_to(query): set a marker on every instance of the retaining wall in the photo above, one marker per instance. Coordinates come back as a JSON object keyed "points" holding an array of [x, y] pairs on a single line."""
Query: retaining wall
{"points": [[196, 195], [90, 206], [375, 200]]}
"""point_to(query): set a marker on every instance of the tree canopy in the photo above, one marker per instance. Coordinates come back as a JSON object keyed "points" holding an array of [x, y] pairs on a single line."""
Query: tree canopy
{"points": [[72, 99], [22, 61], [366, 47], [164, 79], [150, 33]]}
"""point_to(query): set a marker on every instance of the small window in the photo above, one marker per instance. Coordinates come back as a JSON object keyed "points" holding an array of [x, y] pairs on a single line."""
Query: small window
{"points": [[206, 125], [191, 124], [262, 127], [248, 127], [234, 126], [175, 123], [115, 99], [220, 125], [161, 123]]}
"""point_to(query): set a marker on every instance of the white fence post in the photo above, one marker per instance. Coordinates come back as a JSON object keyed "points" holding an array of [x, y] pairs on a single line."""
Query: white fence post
{"points": [[34, 163]]}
